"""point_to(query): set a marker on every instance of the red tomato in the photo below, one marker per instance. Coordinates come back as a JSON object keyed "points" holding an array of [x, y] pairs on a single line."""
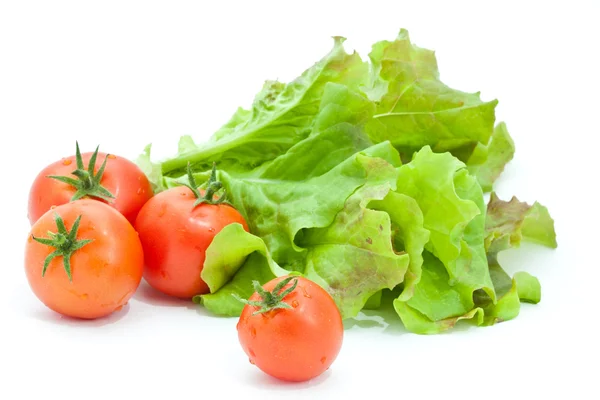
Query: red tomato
{"points": [[121, 178], [296, 343], [99, 259], [175, 234]]}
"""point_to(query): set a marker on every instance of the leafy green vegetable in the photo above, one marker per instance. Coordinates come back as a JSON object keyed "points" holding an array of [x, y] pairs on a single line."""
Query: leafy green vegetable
{"points": [[306, 227], [453, 208], [281, 116], [409, 235], [368, 178], [528, 287], [234, 258], [353, 258], [227, 253], [509, 222], [499, 152], [415, 109]]}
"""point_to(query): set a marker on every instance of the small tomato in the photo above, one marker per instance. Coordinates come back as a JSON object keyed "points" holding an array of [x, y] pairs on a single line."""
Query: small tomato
{"points": [[176, 227], [291, 329], [118, 182], [83, 259]]}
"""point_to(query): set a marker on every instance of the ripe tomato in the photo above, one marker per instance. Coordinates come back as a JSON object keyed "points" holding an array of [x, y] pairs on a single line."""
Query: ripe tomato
{"points": [[90, 261], [118, 182], [291, 329], [175, 231]]}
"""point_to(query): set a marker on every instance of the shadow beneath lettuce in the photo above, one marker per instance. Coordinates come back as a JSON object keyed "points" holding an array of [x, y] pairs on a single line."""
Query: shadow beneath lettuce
{"points": [[383, 318]]}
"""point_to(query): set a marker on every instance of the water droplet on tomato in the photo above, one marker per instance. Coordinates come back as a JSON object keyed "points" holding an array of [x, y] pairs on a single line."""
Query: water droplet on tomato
{"points": [[53, 207], [66, 161], [251, 361], [140, 191], [295, 303], [211, 229], [112, 156], [323, 360], [305, 293]]}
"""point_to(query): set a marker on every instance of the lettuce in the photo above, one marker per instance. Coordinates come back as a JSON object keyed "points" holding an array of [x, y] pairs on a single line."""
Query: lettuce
{"points": [[281, 115], [415, 109], [487, 163], [510, 222], [368, 177]]}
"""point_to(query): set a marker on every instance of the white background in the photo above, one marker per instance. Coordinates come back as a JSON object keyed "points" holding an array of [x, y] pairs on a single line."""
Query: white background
{"points": [[122, 74]]}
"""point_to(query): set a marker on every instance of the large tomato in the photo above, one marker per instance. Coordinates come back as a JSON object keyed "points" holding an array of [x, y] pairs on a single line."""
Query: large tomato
{"points": [[117, 181], [291, 329], [83, 259], [176, 227]]}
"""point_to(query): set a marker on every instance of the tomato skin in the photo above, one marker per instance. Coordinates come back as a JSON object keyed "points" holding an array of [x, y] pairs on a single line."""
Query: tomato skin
{"points": [[295, 344], [175, 236], [106, 272], [122, 178]]}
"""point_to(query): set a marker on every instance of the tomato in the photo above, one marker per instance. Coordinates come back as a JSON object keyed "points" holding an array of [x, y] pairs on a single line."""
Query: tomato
{"points": [[119, 182], [98, 264], [175, 232], [296, 343]]}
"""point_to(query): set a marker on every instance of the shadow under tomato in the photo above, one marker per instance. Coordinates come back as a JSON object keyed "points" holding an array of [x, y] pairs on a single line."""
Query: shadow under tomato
{"points": [[148, 295], [262, 380], [47, 315]]}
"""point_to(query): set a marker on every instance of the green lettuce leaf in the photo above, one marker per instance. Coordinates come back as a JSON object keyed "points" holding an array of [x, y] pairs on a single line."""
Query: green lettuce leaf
{"points": [[416, 322], [434, 297], [281, 116], [233, 260], [414, 108], [507, 306], [426, 312], [509, 222], [152, 170], [336, 136], [408, 234], [374, 302], [488, 164], [454, 213], [528, 287], [227, 253], [279, 210], [354, 258]]}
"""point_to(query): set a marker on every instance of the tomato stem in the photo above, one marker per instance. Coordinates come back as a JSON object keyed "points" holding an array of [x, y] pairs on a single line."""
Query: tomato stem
{"points": [[270, 300], [212, 187], [65, 242], [88, 181]]}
